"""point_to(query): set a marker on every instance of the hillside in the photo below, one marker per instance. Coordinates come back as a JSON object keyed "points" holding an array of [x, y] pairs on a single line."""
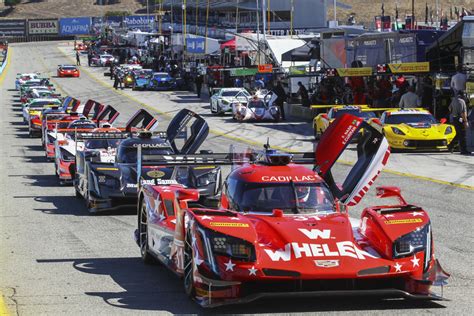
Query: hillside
{"points": [[365, 10], [69, 8]]}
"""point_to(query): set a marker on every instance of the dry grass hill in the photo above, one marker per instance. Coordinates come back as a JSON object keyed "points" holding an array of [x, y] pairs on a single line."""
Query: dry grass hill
{"points": [[365, 10]]}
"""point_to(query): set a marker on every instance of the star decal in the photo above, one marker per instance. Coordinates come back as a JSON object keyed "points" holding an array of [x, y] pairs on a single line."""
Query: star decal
{"points": [[389, 215], [398, 267], [206, 217], [229, 266], [415, 261], [252, 271], [162, 217], [197, 261], [417, 213]]}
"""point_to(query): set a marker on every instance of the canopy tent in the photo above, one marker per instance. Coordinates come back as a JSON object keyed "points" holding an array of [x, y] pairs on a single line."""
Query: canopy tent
{"points": [[230, 44], [279, 46], [310, 50]]}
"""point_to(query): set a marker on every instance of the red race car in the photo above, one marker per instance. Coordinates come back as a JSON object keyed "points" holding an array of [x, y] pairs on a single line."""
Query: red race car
{"points": [[283, 229], [68, 71]]}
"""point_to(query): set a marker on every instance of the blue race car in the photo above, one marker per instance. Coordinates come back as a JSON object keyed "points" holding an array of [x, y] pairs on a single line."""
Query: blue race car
{"points": [[142, 79], [162, 81]]}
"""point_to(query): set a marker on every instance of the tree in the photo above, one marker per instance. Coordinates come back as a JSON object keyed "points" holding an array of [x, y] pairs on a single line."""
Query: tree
{"points": [[12, 3]]}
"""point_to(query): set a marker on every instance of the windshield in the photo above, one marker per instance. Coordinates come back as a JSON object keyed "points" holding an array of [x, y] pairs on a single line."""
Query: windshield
{"points": [[129, 154], [410, 118], [291, 197], [355, 112], [234, 93], [68, 67], [106, 56], [102, 143], [41, 104], [257, 104], [160, 76]]}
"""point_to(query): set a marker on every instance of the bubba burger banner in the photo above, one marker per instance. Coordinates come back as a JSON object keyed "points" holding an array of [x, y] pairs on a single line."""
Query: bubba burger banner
{"points": [[43, 27]]}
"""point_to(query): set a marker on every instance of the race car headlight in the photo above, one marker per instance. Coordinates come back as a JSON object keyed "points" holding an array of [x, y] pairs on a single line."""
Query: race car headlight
{"points": [[274, 111], [448, 130], [413, 242], [397, 131], [225, 102], [232, 247]]}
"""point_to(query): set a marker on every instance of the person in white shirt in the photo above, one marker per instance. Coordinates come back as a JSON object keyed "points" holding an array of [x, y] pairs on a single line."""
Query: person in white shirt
{"points": [[458, 82], [409, 99]]}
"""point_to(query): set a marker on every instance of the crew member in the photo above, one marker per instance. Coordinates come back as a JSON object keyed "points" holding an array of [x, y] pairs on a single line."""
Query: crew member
{"points": [[78, 58], [409, 99], [458, 111], [303, 93], [458, 82], [198, 81], [281, 94]]}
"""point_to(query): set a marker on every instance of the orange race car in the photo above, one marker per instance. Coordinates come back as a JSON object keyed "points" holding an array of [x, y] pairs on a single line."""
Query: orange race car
{"points": [[68, 71]]}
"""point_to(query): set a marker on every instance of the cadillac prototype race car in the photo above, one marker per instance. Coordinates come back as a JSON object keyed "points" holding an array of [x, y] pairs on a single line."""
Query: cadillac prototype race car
{"points": [[113, 183], [257, 109], [416, 129], [283, 230], [223, 98]]}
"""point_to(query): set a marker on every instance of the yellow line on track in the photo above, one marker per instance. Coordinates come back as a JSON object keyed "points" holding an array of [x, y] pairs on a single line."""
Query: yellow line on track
{"points": [[256, 143], [3, 307], [5, 70]]}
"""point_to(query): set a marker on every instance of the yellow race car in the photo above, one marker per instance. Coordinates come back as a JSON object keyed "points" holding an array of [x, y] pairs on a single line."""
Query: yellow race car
{"points": [[416, 129], [322, 120]]}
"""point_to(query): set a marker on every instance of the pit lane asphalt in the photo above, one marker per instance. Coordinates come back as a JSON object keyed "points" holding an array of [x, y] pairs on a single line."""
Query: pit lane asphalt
{"points": [[55, 259]]}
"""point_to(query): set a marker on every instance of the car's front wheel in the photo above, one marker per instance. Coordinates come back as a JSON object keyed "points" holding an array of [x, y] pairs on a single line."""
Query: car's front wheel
{"points": [[188, 268], [143, 234], [212, 109]]}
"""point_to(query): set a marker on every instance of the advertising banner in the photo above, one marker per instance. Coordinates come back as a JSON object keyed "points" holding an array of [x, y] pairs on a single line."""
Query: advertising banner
{"points": [[409, 67], [141, 22], [195, 45], [75, 26], [43, 27], [12, 28], [115, 21], [265, 68], [354, 72]]}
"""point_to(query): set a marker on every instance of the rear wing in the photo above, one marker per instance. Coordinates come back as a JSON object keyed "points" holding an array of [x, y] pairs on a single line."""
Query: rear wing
{"points": [[101, 135], [92, 105], [108, 114]]}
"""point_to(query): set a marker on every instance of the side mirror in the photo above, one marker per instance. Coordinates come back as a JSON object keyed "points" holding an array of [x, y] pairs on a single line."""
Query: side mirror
{"points": [[386, 192], [191, 195], [443, 120]]}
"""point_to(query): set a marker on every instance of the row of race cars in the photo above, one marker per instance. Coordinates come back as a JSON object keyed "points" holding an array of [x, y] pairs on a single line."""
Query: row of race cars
{"points": [[271, 228]]}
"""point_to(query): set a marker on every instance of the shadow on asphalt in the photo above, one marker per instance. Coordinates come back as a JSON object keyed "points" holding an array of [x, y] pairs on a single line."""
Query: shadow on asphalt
{"points": [[154, 288]]}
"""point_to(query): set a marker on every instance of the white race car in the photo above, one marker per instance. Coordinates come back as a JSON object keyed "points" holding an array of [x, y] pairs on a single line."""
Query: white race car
{"points": [[259, 108], [222, 99], [22, 78], [35, 106]]}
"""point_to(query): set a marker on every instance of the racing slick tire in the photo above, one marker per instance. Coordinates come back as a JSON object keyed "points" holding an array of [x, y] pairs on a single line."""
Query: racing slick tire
{"points": [[188, 277], [143, 235]]}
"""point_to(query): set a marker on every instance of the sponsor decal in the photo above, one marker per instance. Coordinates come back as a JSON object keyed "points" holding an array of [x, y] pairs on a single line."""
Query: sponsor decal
{"points": [[326, 263], [107, 169], [296, 250], [155, 174], [354, 72], [36, 27], [223, 224], [158, 145], [288, 178], [404, 221]]}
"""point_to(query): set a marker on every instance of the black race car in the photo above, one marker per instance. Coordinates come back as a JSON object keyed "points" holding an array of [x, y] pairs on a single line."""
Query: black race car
{"points": [[113, 184]]}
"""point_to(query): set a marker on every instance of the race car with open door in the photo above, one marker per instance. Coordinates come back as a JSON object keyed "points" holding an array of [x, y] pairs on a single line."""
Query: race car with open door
{"points": [[258, 108], [111, 185], [283, 230]]}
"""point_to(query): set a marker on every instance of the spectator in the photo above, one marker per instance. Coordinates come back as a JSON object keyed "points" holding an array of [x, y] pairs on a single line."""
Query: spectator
{"points": [[281, 98], [409, 99], [198, 81], [303, 93], [458, 82], [458, 111]]}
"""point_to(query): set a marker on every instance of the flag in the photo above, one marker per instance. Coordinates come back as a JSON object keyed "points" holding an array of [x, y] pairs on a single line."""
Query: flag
{"points": [[450, 13], [426, 13], [383, 10], [456, 12], [396, 12]]}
